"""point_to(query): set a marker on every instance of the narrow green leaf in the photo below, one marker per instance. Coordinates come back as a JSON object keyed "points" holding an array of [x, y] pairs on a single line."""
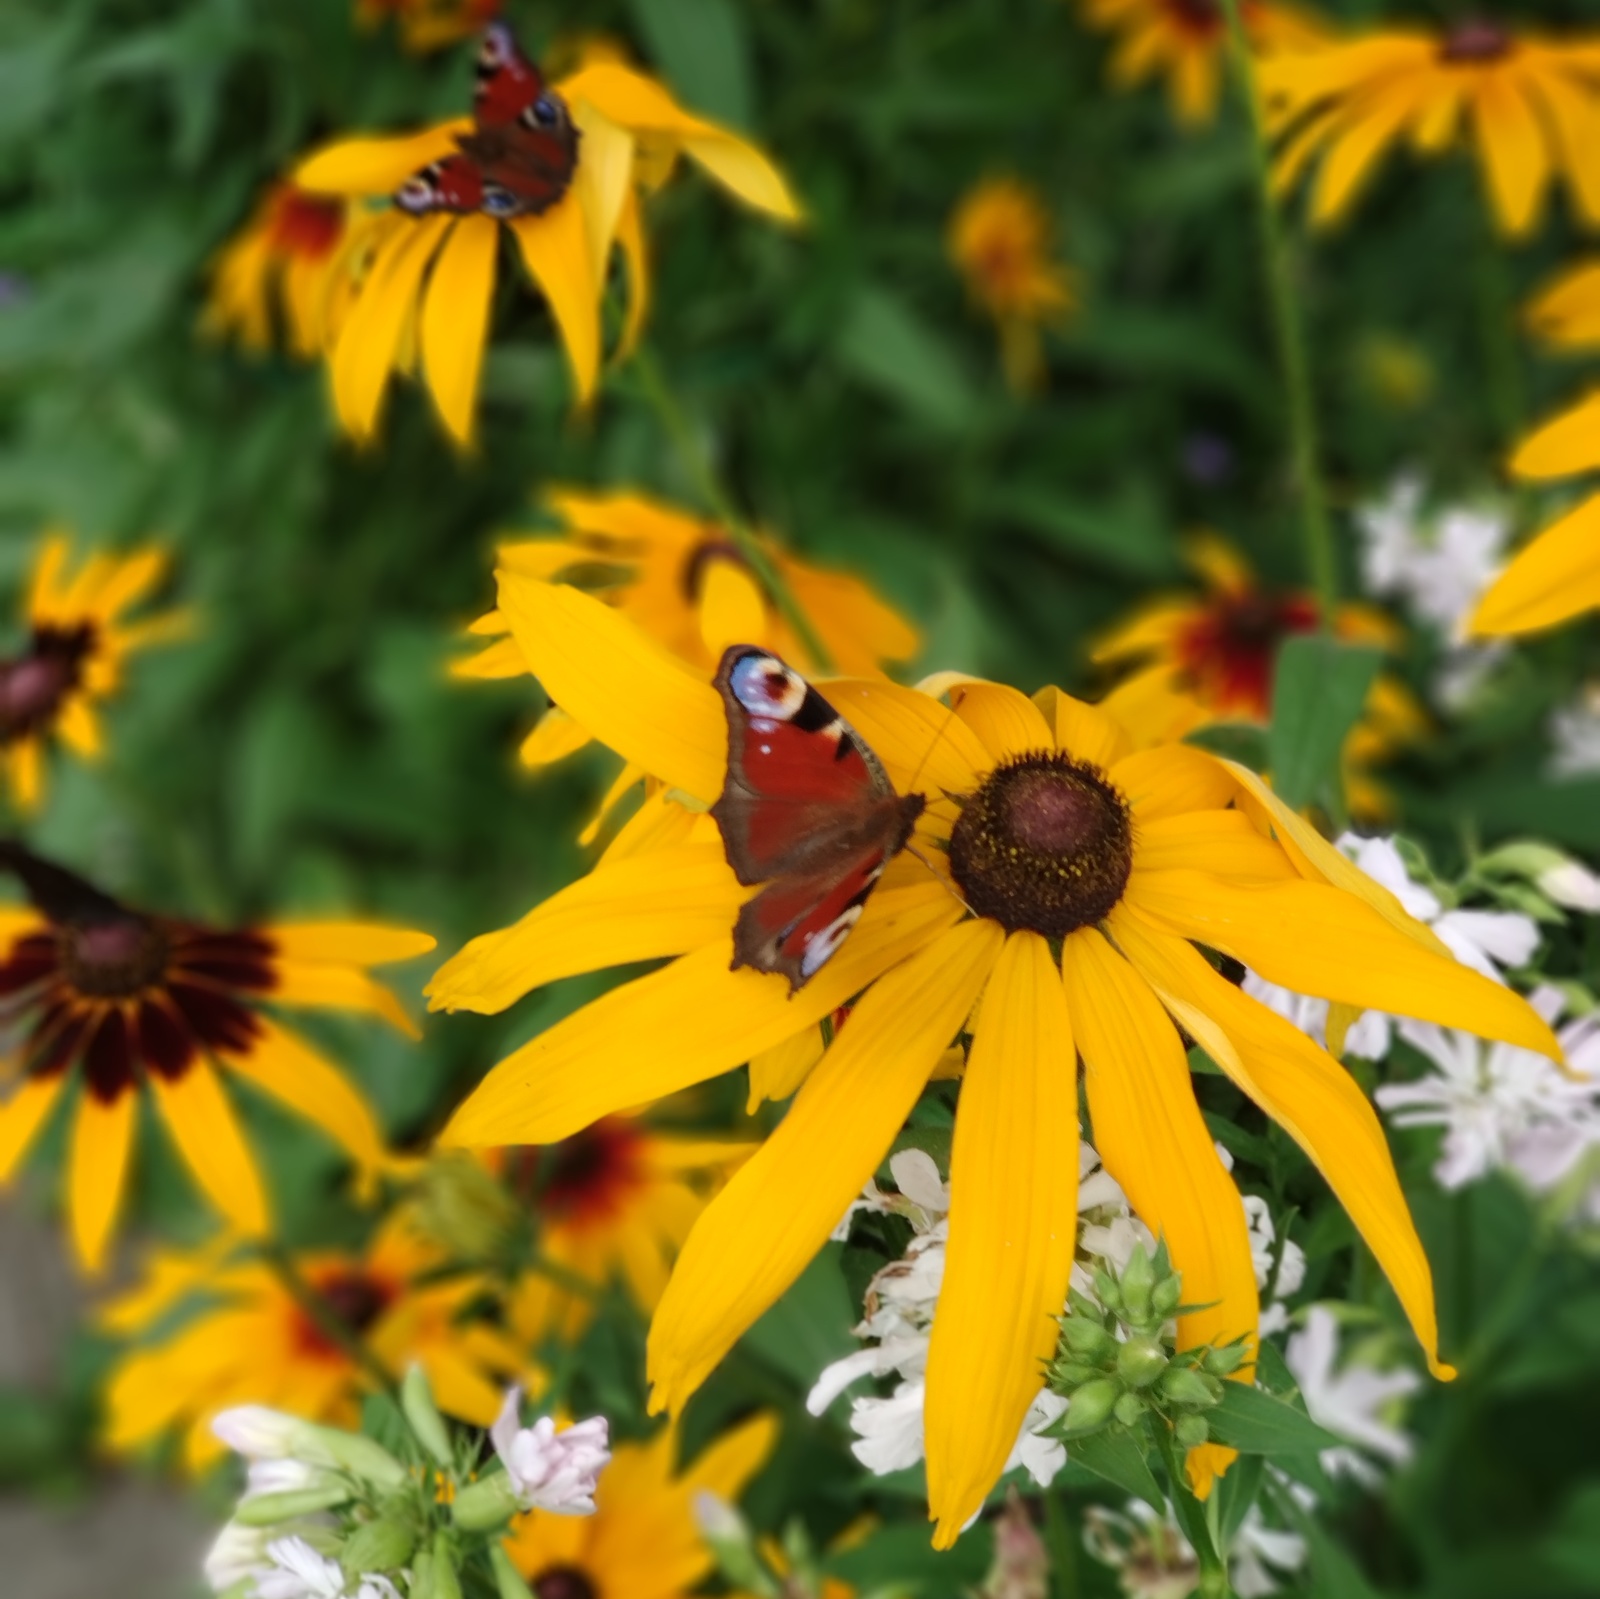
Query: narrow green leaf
{"points": [[1253, 1422], [1116, 1456], [1319, 686], [887, 345]]}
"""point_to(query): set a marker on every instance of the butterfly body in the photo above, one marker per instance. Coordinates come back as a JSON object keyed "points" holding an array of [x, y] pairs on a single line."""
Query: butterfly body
{"points": [[807, 810], [520, 156]]}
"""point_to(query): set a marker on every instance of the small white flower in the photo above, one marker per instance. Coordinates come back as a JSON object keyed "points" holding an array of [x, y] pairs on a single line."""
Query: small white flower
{"points": [[1575, 734], [547, 1469], [1258, 1551], [1572, 884], [259, 1433], [239, 1553], [299, 1572], [1264, 1256], [1348, 1402]]}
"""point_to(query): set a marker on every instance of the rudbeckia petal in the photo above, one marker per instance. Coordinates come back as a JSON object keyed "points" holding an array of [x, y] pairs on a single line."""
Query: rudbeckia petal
{"points": [[744, 171], [1008, 722], [555, 250], [1170, 781], [635, 249], [1317, 940], [728, 1464], [777, 1072], [281, 1064], [911, 733], [349, 943], [1567, 444], [1153, 1139], [102, 1139], [701, 1018], [602, 181], [22, 1115], [1082, 730], [202, 1125], [1554, 578], [621, 685], [731, 609], [1013, 1226], [455, 321], [339, 987], [638, 908], [377, 166], [777, 1211], [1224, 840], [1513, 149], [555, 738], [1358, 145], [1308, 1093]]}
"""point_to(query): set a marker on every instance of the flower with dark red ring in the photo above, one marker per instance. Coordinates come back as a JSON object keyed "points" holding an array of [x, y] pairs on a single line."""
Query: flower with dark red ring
{"points": [[120, 1001]]}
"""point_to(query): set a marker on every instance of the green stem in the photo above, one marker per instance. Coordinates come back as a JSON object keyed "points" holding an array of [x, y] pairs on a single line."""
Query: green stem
{"points": [[1062, 1545], [323, 1317], [1289, 332], [698, 464], [1191, 1516]]}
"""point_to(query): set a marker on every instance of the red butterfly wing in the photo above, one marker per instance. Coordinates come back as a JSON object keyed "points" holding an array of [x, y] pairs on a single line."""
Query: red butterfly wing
{"points": [[454, 184], [807, 809], [508, 82]]}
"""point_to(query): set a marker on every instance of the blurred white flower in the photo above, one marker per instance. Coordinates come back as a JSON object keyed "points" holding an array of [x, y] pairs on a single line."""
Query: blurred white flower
{"points": [[238, 1554], [1575, 734], [1154, 1560], [259, 1433], [1572, 884], [549, 1469], [1349, 1402], [1264, 1256], [289, 1568]]}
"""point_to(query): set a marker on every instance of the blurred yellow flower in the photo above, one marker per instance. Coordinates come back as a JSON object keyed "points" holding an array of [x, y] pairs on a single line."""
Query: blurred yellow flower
{"points": [[247, 1339], [1566, 315], [999, 240], [1187, 41], [427, 297], [1532, 105], [684, 581], [1198, 659], [115, 1001], [1093, 871], [643, 1541], [77, 642], [428, 24]]}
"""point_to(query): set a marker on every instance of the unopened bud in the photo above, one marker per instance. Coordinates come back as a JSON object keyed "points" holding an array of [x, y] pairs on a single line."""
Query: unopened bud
{"points": [[1141, 1360], [1138, 1282], [267, 1510], [1189, 1388], [1081, 1305], [507, 1579], [1107, 1291], [1167, 1295], [446, 1583], [1129, 1410], [1224, 1359], [416, 1400], [1092, 1404], [1066, 1375], [362, 1457], [1087, 1339], [1191, 1431], [377, 1546], [486, 1503]]}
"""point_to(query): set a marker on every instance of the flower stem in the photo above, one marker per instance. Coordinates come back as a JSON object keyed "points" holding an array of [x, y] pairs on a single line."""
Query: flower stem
{"points": [[1191, 1516], [1062, 1546], [1289, 333], [324, 1317], [653, 383]]}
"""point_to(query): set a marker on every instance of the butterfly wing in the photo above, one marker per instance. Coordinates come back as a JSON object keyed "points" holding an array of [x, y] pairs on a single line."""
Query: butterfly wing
{"points": [[454, 184]]}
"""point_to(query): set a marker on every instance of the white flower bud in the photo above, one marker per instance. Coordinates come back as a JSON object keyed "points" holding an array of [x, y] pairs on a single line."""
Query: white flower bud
{"points": [[550, 1470]]}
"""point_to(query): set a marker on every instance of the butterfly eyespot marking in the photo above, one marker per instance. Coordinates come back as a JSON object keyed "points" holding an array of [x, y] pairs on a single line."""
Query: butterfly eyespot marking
{"points": [[497, 49], [417, 193], [545, 112], [498, 202], [768, 690]]}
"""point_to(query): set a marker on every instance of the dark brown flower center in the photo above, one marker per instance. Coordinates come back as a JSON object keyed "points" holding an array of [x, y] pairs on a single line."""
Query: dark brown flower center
{"points": [[700, 559], [1475, 41], [583, 1178], [114, 959], [33, 685], [1046, 844], [354, 1298], [1202, 18], [564, 1582]]}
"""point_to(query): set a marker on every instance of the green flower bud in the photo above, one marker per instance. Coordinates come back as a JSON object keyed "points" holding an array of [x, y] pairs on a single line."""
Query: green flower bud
{"points": [[1141, 1360], [267, 1510], [507, 1579], [1225, 1359], [1167, 1295], [485, 1504], [1081, 1305], [1190, 1389], [1138, 1281], [377, 1546], [422, 1576], [362, 1457], [1066, 1375], [1107, 1292], [1087, 1339], [416, 1400], [1091, 1406], [1191, 1431], [1129, 1410], [446, 1584]]}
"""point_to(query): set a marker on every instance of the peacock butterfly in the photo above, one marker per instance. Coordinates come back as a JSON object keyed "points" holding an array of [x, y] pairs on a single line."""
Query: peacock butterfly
{"points": [[807, 809], [522, 151]]}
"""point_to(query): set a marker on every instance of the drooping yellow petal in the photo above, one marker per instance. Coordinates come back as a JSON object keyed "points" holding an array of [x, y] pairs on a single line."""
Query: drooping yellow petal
{"points": [[366, 167], [777, 1072], [341, 988], [731, 608], [636, 251], [700, 1018], [455, 321], [638, 908], [1007, 721], [1084, 731], [1565, 445], [1307, 1092], [1356, 148], [555, 250], [1512, 145], [202, 1125], [349, 943], [1013, 1226], [554, 738], [602, 182], [777, 1211], [102, 1139], [79, 728], [621, 685], [21, 1117], [1554, 578], [1317, 940]]}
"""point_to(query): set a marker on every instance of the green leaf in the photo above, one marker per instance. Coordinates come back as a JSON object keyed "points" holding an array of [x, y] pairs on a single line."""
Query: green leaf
{"points": [[704, 50], [1253, 1422], [1116, 1456], [1318, 690], [1238, 741], [888, 346], [1125, 534]]}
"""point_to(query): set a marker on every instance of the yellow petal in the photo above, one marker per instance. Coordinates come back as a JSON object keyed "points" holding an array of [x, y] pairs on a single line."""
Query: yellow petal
{"points": [[919, 741], [1308, 1093], [202, 1125], [1358, 145], [700, 1018], [1574, 117], [1512, 145], [602, 181], [778, 1209], [1013, 1226], [1171, 781], [377, 166], [621, 685], [746, 172], [1565, 445], [349, 943], [640, 908], [280, 1063], [1318, 940], [1083, 730], [554, 738], [1153, 1140], [728, 1464], [623, 784], [455, 321], [635, 249], [102, 1139], [555, 250], [21, 1117], [339, 987], [1008, 722], [1554, 578], [1221, 841], [78, 727], [777, 1072], [731, 608]]}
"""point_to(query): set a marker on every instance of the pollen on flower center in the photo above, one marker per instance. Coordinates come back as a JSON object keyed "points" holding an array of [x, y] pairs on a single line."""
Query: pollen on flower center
{"points": [[33, 685], [1475, 41], [1046, 844], [113, 959], [564, 1582]]}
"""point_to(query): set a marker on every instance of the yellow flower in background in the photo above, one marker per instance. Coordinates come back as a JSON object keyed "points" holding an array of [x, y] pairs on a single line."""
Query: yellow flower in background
{"points": [[428, 24], [108, 1003], [1566, 315], [614, 1201], [1531, 105], [999, 240], [1198, 659], [684, 581], [1186, 41], [246, 1339], [427, 298], [77, 642], [1060, 837], [643, 1541]]}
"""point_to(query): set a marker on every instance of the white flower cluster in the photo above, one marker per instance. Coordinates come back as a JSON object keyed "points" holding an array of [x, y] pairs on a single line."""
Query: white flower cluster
{"points": [[1156, 1561], [547, 1469], [1575, 735]]}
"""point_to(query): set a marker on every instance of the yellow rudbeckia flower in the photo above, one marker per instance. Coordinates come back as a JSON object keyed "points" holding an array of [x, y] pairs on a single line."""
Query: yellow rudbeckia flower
{"points": [[999, 240], [77, 642], [118, 1002], [643, 1541], [1532, 106], [684, 581], [1187, 42], [429, 291], [428, 24], [1092, 872], [249, 1340]]}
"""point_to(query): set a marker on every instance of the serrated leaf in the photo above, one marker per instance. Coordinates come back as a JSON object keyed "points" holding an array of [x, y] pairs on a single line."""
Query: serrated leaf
{"points": [[1253, 1422], [1319, 686], [1116, 1456]]}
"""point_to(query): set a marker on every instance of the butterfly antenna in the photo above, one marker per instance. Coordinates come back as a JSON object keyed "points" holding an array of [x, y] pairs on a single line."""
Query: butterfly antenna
{"points": [[945, 882], [927, 754]]}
